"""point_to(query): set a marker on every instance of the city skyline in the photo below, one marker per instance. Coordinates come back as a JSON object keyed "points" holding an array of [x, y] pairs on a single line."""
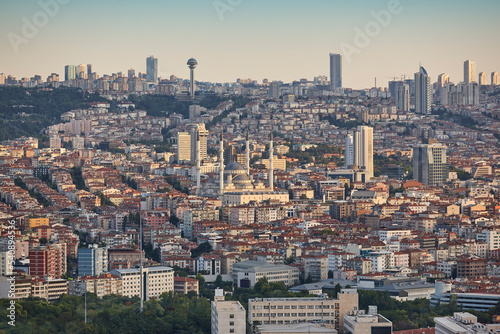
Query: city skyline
{"points": [[258, 46]]}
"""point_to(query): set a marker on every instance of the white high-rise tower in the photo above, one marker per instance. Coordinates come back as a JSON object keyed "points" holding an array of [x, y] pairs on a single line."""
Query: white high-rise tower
{"points": [[423, 92], [469, 71], [363, 149]]}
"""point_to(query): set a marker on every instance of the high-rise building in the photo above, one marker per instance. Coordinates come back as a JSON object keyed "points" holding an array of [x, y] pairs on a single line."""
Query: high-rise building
{"points": [[70, 72], [6, 266], [443, 79], [483, 80], [201, 133], [48, 261], [92, 261], [363, 149], [495, 79], [183, 146], [82, 71], [423, 92], [470, 94], [89, 70], [402, 97], [2, 78], [274, 90], [131, 73], [151, 69], [228, 317], [469, 71], [335, 70], [349, 151], [430, 163]]}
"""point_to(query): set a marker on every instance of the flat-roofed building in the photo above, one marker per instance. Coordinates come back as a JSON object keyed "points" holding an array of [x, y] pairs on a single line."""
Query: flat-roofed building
{"points": [[156, 280], [285, 311], [228, 317], [247, 273], [371, 323]]}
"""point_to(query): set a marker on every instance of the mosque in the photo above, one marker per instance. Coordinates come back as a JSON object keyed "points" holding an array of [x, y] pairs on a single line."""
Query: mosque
{"points": [[235, 185]]}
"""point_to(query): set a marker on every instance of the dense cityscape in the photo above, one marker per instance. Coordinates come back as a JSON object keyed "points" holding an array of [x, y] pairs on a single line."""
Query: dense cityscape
{"points": [[247, 198]]}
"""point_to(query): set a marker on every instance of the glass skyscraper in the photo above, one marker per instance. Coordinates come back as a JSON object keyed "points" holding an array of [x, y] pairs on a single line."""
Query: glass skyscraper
{"points": [[335, 71], [152, 69]]}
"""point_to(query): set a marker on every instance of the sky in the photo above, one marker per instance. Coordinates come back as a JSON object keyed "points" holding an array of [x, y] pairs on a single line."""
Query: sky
{"points": [[274, 39]]}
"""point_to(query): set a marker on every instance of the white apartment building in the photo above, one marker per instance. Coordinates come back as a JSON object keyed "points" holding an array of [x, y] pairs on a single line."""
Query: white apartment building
{"points": [[228, 317], [156, 280], [491, 237]]}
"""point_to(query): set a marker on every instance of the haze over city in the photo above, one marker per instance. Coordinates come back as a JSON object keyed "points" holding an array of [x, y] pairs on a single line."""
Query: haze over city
{"points": [[277, 40]]}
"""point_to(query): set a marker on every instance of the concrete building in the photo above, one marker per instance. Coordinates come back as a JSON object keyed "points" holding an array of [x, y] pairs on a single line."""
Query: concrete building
{"points": [[92, 261], [152, 69], [342, 209], [430, 163], [183, 146], [469, 71], [423, 92], [371, 323], [335, 71], [285, 311], [247, 273], [199, 132], [102, 285], [6, 264], [156, 280], [463, 323], [185, 284], [483, 79], [302, 328], [495, 79], [48, 261], [228, 317]]}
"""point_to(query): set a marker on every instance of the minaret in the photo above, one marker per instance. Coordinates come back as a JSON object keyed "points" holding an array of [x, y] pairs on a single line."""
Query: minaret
{"points": [[271, 167], [221, 164], [198, 164], [248, 154]]}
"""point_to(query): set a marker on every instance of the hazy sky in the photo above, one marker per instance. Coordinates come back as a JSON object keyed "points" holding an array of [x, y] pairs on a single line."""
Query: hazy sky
{"points": [[274, 39]]}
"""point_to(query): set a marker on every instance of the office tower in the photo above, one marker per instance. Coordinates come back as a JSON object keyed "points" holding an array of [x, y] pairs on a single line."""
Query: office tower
{"points": [[2, 78], [362, 149], [89, 71], [274, 90], [335, 71], [92, 261], [430, 163], [423, 92], [402, 97], [152, 69], [192, 65], [443, 79], [183, 146], [131, 73], [469, 71], [228, 317], [70, 72], [411, 83], [202, 133], [349, 151], [82, 71], [483, 80], [495, 79]]}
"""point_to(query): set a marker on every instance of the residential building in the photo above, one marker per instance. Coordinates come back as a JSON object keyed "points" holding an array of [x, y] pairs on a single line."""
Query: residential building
{"points": [[200, 135], [156, 280], [228, 317], [463, 323], [469, 71], [185, 284], [48, 261]]}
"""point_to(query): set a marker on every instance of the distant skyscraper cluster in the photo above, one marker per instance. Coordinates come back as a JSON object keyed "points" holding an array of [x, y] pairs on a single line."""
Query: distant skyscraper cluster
{"points": [[335, 71], [359, 149]]}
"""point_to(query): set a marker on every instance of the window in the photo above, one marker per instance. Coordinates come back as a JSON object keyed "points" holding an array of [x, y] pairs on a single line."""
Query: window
{"points": [[231, 316], [231, 323], [231, 330]]}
